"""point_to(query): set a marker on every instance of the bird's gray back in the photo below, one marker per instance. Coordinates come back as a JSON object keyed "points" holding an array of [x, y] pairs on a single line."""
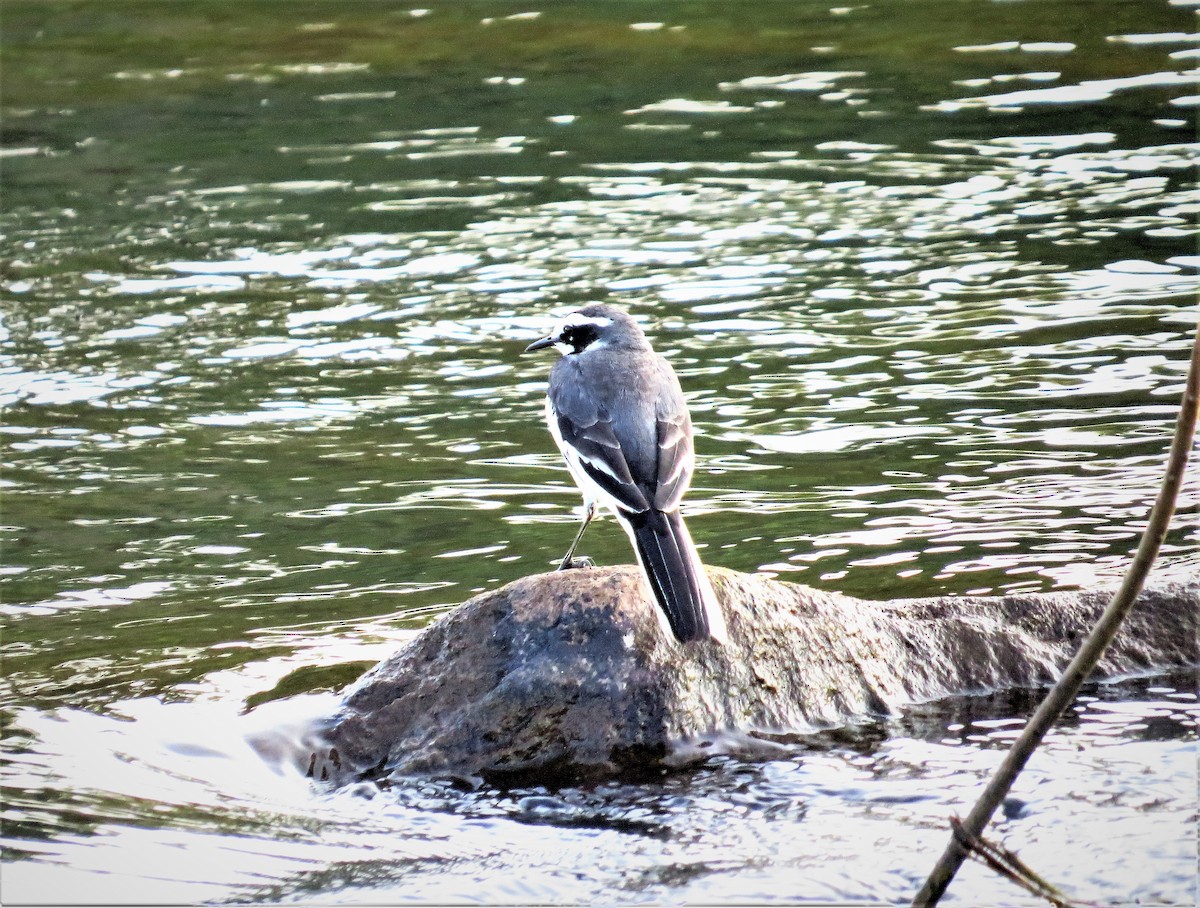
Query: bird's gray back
{"points": [[632, 390]]}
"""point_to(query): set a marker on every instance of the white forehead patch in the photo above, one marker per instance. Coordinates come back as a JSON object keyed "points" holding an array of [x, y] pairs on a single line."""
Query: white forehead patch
{"points": [[578, 318]]}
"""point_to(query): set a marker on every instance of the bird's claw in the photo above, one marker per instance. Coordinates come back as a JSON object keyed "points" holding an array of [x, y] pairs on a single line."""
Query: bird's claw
{"points": [[582, 561]]}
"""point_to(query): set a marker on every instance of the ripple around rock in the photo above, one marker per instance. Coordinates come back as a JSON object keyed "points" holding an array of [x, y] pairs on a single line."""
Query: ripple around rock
{"points": [[568, 674]]}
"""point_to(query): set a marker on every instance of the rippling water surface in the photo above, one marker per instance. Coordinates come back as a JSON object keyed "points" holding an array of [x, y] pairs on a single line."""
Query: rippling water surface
{"points": [[928, 274]]}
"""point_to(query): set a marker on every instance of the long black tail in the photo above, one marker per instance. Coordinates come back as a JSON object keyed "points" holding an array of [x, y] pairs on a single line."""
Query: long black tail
{"points": [[670, 562]]}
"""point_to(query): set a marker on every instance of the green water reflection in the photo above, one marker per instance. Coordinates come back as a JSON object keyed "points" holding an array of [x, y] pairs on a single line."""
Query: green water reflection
{"points": [[271, 273]]}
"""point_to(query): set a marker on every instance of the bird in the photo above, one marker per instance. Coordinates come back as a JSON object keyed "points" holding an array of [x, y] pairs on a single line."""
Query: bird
{"points": [[617, 413]]}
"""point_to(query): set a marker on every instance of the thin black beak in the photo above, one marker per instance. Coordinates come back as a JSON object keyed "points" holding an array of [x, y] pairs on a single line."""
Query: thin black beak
{"points": [[541, 344]]}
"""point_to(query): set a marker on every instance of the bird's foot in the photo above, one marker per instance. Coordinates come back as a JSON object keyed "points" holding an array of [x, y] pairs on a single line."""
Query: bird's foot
{"points": [[583, 561]]}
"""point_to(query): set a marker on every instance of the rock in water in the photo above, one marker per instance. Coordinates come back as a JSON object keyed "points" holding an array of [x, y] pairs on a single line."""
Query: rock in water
{"points": [[570, 673]]}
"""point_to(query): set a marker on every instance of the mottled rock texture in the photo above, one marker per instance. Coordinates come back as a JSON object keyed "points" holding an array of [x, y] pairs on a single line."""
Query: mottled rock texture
{"points": [[571, 673]]}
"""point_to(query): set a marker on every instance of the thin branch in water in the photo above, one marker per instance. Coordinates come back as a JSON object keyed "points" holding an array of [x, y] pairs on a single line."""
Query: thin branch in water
{"points": [[1089, 654], [1008, 865]]}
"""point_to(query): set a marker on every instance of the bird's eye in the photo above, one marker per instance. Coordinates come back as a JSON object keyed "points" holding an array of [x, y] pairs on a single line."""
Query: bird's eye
{"points": [[579, 336]]}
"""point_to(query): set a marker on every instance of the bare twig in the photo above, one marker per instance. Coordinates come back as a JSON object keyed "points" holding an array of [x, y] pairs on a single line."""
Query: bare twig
{"points": [[1008, 865], [1089, 654]]}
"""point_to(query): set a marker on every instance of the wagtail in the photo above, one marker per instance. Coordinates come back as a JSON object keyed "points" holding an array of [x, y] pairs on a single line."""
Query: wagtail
{"points": [[616, 410]]}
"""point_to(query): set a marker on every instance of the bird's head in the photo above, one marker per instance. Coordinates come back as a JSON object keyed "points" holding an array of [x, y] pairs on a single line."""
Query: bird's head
{"points": [[592, 327]]}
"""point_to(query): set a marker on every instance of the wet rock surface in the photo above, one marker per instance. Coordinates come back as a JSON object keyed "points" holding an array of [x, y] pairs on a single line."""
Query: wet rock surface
{"points": [[570, 673]]}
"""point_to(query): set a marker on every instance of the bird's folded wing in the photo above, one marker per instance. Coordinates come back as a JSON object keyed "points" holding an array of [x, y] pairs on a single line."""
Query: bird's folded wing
{"points": [[600, 455], [675, 460]]}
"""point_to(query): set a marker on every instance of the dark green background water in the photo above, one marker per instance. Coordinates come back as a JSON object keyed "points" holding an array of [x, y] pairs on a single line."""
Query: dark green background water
{"points": [[927, 270]]}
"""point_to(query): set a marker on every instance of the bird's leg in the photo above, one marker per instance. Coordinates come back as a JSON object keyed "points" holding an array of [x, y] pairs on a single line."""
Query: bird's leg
{"points": [[589, 511]]}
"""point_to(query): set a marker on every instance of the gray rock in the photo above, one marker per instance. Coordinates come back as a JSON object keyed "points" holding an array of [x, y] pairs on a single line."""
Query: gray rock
{"points": [[571, 674]]}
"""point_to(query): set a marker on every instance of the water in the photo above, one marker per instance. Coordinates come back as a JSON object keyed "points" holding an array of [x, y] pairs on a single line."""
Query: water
{"points": [[927, 272]]}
